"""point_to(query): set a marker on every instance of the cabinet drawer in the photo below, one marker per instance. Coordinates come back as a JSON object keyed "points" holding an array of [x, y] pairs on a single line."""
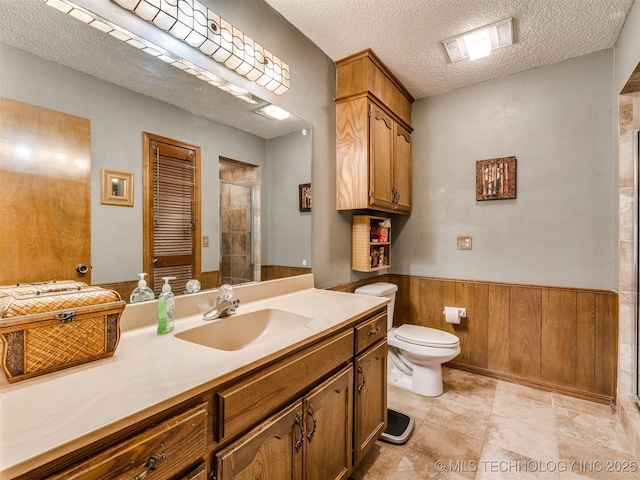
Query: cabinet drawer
{"points": [[256, 397], [370, 331], [161, 451]]}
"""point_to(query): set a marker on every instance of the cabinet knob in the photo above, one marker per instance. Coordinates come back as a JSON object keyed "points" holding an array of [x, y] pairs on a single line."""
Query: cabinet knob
{"points": [[374, 332]]}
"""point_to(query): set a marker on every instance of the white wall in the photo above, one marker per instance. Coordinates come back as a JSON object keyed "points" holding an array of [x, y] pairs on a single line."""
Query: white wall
{"points": [[289, 242], [560, 229]]}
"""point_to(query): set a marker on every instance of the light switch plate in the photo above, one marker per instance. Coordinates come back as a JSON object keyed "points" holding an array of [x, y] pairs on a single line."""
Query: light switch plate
{"points": [[464, 243], [205, 241]]}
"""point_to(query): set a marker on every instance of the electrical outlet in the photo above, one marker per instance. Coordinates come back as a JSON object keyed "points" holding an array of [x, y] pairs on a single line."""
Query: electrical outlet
{"points": [[464, 243], [205, 241]]}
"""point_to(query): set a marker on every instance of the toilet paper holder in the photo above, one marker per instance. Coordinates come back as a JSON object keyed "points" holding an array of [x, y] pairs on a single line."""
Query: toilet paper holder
{"points": [[448, 311]]}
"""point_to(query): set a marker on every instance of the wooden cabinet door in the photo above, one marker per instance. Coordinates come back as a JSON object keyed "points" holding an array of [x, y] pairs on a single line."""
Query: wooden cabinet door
{"points": [[380, 158], [402, 168], [328, 428], [272, 451], [370, 399], [199, 473]]}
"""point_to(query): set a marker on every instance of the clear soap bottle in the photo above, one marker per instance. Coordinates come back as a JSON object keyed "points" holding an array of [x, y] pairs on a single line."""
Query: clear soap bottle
{"points": [[142, 293], [166, 307]]}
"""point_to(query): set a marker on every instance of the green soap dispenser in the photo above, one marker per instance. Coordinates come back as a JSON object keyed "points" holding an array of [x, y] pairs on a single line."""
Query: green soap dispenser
{"points": [[166, 307], [142, 293]]}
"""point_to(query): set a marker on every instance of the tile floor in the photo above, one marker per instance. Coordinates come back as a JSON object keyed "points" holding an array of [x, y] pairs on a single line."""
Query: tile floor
{"points": [[489, 429]]}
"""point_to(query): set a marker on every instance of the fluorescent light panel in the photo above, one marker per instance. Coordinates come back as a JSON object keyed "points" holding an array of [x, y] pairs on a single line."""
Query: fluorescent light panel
{"points": [[480, 42], [273, 112], [196, 25], [150, 48]]}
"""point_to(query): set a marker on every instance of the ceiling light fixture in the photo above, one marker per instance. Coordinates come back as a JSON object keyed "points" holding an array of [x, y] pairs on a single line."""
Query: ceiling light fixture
{"points": [[150, 48], [272, 112], [202, 29], [479, 43]]}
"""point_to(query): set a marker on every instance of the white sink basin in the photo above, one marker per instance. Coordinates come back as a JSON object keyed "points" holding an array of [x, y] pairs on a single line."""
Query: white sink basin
{"points": [[242, 330]]}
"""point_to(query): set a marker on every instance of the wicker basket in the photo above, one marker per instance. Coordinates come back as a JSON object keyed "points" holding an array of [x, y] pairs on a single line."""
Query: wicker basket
{"points": [[55, 325]]}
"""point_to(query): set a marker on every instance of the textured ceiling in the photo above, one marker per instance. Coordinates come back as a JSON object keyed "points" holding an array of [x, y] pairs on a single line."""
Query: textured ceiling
{"points": [[32, 26], [406, 34]]}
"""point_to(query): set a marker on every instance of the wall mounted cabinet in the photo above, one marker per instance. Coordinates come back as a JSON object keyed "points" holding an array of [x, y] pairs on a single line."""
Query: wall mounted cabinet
{"points": [[373, 137]]}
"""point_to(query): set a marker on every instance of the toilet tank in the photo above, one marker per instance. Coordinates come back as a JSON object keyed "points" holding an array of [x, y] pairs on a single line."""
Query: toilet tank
{"points": [[381, 289]]}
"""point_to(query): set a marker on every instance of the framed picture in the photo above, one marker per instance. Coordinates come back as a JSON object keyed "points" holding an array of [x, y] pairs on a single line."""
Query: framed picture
{"points": [[496, 178], [305, 197], [117, 188]]}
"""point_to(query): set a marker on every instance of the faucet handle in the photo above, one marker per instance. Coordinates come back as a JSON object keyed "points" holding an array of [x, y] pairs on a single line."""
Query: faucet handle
{"points": [[225, 292]]}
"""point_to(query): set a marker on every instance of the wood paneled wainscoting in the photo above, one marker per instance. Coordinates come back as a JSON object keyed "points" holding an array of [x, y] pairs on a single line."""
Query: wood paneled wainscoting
{"points": [[555, 338]]}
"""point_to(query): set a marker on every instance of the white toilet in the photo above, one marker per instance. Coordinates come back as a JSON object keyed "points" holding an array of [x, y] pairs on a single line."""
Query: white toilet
{"points": [[416, 353]]}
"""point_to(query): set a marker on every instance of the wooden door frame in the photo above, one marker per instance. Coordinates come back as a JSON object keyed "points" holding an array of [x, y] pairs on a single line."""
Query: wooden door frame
{"points": [[147, 200]]}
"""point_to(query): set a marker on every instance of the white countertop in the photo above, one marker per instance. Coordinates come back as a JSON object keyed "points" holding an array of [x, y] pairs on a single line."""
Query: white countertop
{"points": [[48, 416]]}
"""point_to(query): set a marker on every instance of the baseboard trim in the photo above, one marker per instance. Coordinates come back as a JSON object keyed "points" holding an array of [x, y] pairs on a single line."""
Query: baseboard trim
{"points": [[571, 392]]}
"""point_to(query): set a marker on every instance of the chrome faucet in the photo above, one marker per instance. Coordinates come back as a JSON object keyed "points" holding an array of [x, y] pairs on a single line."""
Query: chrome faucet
{"points": [[224, 305]]}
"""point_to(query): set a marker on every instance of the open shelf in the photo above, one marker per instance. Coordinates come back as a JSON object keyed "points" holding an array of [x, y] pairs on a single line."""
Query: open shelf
{"points": [[368, 253]]}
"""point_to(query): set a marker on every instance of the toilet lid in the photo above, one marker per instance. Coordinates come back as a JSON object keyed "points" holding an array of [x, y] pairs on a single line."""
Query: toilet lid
{"points": [[429, 337]]}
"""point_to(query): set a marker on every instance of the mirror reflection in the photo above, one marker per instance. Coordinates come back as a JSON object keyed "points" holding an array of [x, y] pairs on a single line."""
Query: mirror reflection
{"points": [[117, 187], [64, 67]]}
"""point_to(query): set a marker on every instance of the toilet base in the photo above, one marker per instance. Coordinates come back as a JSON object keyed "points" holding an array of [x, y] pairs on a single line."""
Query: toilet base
{"points": [[425, 381]]}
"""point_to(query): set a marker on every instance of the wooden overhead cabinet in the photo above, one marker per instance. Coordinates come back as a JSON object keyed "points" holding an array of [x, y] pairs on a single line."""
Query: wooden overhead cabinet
{"points": [[373, 137]]}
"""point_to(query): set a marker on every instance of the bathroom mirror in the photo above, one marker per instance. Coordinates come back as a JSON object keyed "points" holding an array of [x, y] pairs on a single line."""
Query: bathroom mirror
{"points": [[42, 44]]}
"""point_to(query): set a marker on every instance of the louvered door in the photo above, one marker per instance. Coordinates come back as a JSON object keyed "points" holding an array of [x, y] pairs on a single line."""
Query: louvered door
{"points": [[172, 212]]}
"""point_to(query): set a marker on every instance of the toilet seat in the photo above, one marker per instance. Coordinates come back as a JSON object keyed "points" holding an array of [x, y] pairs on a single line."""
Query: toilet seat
{"points": [[425, 336]]}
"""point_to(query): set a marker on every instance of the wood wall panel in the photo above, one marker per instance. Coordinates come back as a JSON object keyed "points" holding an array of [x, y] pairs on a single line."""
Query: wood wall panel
{"points": [[559, 339], [480, 327], [431, 303], [525, 331], [606, 336], [585, 341], [498, 329]]}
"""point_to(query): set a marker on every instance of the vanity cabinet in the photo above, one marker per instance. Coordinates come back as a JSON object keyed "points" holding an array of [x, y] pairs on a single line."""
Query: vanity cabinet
{"points": [[310, 439], [249, 401], [296, 416], [370, 395], [373, 137], [162, 452], [370, 244]]}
